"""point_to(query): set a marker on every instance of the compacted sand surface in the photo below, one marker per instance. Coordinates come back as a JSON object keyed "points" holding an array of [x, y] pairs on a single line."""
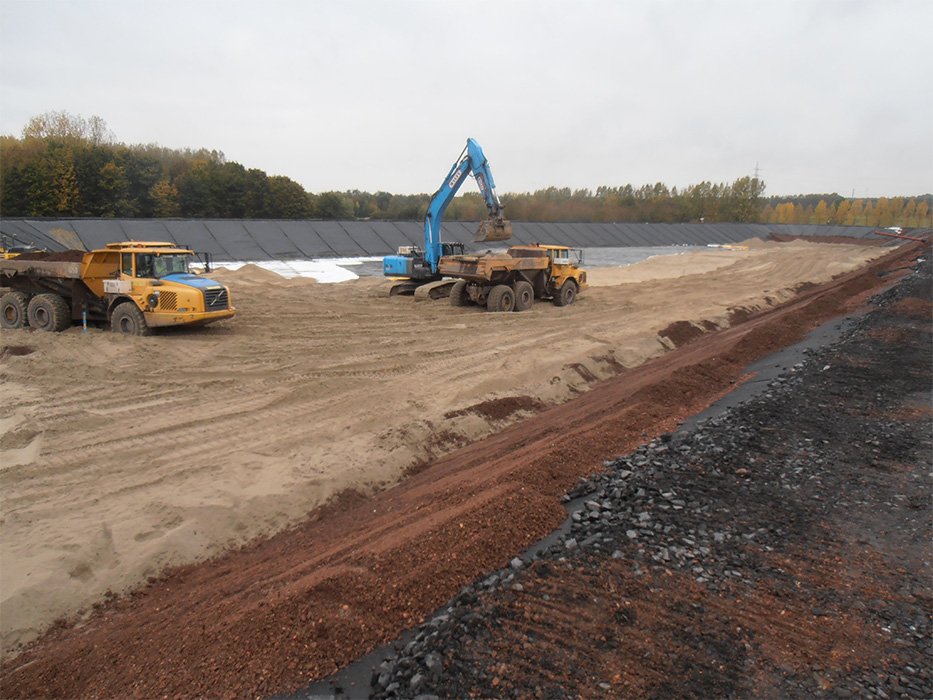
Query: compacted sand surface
{"points": [[125, 456]]}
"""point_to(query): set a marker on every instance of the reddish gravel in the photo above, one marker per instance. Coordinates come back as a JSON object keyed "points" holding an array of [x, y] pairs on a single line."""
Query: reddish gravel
{"points": [[296, 607]]}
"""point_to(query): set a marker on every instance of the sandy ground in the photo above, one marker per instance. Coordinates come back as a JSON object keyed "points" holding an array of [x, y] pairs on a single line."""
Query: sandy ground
{"points": [[121, 456]]}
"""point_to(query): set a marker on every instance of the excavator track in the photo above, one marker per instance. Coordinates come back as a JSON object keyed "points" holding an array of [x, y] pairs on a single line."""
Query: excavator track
{"points": [[434, 290]]}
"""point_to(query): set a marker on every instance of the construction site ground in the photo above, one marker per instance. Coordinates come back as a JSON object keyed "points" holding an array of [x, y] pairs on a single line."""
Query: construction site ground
{"points": [[242, 511]]}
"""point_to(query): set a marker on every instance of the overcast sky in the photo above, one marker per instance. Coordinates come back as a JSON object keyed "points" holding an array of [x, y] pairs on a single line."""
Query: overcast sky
{"points": [[820, 95]]}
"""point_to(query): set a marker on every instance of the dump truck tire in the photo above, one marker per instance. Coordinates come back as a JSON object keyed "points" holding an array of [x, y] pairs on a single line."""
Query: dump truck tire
{"points": [[458, 294], [129, 320], [567, 294], [48, 312], [13, 310], [524, 295], [501, 298]]}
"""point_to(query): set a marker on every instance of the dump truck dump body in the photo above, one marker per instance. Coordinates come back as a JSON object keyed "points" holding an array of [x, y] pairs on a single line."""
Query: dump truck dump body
{"points": [[513, 280]]}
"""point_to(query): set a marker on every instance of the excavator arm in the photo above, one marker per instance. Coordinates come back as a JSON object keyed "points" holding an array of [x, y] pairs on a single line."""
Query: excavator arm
{"points": [[494, 228], [415, 264]]}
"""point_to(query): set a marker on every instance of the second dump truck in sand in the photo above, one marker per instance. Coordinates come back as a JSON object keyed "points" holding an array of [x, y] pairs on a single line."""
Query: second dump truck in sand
{"points": [[511, 281]]}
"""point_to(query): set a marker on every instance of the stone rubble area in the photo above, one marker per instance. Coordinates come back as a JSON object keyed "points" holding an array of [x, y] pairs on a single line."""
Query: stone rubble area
{"points": [[780, 549]]}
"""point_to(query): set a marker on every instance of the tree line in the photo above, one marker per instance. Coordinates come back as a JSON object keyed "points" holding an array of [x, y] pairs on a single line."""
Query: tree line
{"points": [[882, 212], [68, 166], [71, 167]]}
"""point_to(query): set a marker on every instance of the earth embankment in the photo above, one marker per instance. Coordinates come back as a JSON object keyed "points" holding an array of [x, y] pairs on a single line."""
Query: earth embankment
{"points": [[129, 455]]}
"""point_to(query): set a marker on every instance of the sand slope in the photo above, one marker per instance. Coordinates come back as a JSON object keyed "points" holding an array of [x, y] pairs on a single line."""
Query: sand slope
{"points": [[122, 455]]}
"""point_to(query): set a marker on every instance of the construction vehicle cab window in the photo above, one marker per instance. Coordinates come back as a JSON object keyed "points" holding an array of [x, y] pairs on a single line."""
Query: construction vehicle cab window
{"points": [[499, 281], [134, 286], [159, 266], [144, 266]]}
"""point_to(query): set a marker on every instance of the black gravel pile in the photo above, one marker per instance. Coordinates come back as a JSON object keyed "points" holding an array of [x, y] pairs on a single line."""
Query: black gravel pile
{"points": [[831, 462]]}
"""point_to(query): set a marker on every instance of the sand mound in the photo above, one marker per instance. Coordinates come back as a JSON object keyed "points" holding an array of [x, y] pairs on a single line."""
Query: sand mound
{"points": [[247, 274]]}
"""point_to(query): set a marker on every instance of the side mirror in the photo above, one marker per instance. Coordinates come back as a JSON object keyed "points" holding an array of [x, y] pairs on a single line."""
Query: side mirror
{"points": [[205, 259]]}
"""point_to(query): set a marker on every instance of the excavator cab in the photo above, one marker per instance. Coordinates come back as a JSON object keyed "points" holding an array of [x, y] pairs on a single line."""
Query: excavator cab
{"points": [[493, 229]]}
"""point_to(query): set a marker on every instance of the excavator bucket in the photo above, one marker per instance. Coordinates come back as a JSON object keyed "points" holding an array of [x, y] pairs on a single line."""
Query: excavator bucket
{"points": [[493, 229]]}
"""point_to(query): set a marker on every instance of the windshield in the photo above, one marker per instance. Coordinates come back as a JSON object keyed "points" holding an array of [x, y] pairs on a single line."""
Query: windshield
{"points": [[157, 265]]}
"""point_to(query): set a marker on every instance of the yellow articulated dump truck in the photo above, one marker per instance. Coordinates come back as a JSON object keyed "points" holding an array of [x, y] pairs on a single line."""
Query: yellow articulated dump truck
{"points": [[134, 286], [512, 281]]}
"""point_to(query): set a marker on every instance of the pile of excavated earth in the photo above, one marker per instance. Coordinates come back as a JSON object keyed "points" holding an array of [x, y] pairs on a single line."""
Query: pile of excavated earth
{"points": [[244, 510]]}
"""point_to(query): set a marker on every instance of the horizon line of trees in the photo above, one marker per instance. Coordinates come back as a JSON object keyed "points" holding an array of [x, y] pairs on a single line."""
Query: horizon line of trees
{"points": [[68, 166]]}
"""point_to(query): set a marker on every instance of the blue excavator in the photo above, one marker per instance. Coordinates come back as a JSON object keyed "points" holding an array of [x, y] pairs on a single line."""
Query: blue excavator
{"points": [[415, 270]]}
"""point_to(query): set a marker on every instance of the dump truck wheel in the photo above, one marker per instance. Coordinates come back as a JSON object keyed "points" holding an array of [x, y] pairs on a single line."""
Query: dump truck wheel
{"points": [[458, 294], [13, 310], [501, 298], [48, 312], [524, 295], [566, 294], [128, 319]]}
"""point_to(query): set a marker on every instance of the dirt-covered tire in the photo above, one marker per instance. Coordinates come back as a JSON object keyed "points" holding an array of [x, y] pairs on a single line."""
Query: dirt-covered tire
{"points": [[458, 294], [524, 295], [567, 294], [13, 310], [129, 320], [501, 298], [48, 312]]}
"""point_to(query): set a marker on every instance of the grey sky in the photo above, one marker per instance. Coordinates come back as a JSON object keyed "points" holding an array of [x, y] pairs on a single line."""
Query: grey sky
{"points": [[824, 95]]}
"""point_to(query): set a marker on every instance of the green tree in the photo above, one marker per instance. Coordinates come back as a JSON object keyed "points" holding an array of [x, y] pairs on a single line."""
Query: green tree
{"points": [[142, 173], [114, 191], [745, 200], [289, 199], [194, 193], [331, 205]]}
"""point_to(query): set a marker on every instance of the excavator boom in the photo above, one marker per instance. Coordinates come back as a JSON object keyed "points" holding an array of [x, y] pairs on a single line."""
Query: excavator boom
{"points": [[421, 266]]}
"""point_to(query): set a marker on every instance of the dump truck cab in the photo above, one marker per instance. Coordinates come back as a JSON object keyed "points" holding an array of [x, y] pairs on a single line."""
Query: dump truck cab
{"points": [[158, 278], [562, 268]]}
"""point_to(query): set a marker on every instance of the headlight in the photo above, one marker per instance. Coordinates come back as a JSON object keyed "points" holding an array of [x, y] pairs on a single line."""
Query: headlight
{"points": [[153, 300]]}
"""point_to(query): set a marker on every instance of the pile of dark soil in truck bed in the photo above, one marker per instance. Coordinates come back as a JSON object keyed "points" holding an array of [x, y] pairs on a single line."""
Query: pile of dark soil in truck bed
{"points": [[46, 256], [779, 550]]}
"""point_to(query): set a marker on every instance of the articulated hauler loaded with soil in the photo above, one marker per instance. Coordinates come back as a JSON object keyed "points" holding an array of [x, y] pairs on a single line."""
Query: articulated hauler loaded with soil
{"points": [[135, 286], [511, 281]]}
